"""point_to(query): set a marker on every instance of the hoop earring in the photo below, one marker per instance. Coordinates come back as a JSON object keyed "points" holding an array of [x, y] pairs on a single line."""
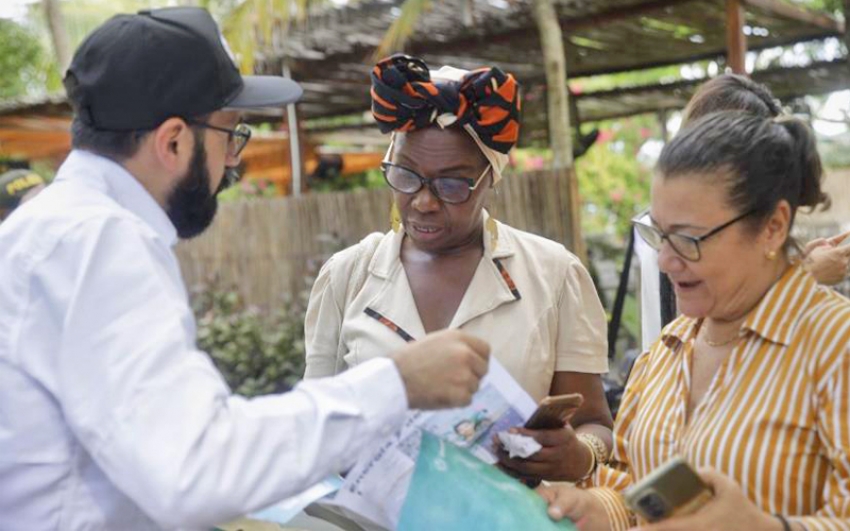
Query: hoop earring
{"points": [[395, 218]]}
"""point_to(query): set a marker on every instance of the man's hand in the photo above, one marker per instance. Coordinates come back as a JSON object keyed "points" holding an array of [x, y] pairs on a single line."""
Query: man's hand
{"points": [[443, 369]]}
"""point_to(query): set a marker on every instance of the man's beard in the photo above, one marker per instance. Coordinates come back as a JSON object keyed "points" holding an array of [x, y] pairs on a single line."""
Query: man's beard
{"points": [[192, 205]]}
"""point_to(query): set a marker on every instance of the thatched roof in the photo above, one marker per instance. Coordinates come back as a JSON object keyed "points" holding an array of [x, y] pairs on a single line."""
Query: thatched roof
{"points": [[332, 56]]}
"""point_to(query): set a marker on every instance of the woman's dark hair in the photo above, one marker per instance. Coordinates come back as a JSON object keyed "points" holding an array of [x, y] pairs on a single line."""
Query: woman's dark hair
{"points": [[761, 160], [728, 92]]}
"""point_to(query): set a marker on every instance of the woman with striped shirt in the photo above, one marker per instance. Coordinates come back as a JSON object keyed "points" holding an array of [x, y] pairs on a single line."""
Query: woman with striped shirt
{"points": [[752, 383]]}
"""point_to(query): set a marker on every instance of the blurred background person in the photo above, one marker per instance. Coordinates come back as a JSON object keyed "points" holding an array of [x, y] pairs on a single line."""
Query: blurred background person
{"points": [[17, 187]]}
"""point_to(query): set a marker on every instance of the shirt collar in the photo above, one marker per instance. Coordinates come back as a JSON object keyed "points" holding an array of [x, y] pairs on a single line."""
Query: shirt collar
{"points": [[777, 314], [774, 318], [388, 254], [114, 180]]}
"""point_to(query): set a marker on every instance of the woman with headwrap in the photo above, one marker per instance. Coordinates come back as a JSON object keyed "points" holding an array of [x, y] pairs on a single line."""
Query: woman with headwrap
{"points": [[448, 264]]}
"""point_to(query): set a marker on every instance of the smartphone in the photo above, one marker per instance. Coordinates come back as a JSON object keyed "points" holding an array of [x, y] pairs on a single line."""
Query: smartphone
{"points": [[554, 412], [673, 489]]}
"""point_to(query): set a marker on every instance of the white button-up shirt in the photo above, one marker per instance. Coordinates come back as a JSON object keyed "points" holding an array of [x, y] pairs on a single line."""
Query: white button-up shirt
{"points": [[110, 418]]}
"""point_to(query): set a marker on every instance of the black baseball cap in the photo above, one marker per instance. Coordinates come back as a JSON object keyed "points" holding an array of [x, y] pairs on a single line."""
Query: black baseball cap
{"points": [[136, 71]]}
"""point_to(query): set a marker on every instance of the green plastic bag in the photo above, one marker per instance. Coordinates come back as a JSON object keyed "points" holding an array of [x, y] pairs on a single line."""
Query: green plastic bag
{"points": [[453, 490]]}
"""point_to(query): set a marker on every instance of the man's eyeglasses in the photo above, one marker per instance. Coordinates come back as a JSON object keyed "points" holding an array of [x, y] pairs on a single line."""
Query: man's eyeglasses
{"points": [[452, 190], [685, 246], [237, 138]]}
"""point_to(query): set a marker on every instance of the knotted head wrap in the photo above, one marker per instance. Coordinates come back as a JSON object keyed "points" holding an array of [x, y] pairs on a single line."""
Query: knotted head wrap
{"points": [[406, 96]]}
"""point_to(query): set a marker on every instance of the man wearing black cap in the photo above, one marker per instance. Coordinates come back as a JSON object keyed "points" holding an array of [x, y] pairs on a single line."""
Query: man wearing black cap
{"points": [[110, 418]]}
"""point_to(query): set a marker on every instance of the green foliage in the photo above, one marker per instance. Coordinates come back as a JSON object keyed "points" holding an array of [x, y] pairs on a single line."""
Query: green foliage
{"points": [[21, 60], [249, 189], [256, 353], [369, 179], [613, 183], [614, 187]]}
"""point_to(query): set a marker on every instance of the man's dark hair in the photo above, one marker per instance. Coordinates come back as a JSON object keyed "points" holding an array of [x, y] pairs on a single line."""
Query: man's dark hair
{"points": [[120, 145], [116, 145]]}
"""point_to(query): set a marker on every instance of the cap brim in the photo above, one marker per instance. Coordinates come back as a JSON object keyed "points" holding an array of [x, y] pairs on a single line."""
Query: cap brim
{"points": [[265, 91]]}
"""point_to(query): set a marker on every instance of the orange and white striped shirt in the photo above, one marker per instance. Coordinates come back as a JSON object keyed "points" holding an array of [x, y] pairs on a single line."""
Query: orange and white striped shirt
{"points": [[776, 417]]}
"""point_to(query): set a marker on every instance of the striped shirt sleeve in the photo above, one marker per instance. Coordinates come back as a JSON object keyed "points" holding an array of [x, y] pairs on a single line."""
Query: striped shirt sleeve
{"points": [[610, 481], [833, 395]]}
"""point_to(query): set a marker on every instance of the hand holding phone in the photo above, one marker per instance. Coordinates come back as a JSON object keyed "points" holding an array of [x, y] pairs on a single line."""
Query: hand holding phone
{"points": [[554, 412], [673, 489]]}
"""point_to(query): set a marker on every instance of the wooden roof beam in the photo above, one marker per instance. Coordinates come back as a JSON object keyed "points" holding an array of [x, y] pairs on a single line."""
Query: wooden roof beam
{"points": [[798, 13], [567, 26]]}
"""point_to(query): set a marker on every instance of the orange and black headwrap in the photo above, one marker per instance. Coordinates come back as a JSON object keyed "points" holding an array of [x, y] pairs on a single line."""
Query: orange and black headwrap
{"points": [[405, 98]]}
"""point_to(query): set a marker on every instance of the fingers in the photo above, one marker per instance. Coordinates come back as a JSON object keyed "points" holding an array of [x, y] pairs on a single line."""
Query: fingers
{"points": [[565, 502], [547, 492], [479, 346], [525, 467], [549, 438], [837, 239], [478, 365], [814, 244], [716, 481], [443, 369]]}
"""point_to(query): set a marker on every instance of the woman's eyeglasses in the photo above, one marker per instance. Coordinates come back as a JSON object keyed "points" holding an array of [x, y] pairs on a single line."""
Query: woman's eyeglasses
{"points": [[452, 190], [685, 246]]}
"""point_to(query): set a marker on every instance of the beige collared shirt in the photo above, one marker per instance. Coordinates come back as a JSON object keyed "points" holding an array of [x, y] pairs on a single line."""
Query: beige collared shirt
{"points": [[530, 298]]}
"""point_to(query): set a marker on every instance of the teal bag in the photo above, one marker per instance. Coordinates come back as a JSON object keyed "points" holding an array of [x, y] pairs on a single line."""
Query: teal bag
{"points": [[453, 490]]}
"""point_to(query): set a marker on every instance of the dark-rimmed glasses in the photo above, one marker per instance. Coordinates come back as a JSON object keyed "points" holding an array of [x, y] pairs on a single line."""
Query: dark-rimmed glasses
{"points": [[451, 190], [685, 246], [237, 138]]}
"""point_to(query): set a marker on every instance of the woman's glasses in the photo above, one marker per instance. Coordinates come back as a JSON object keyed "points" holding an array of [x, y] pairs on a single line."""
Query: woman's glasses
{"points": [[452, 190], [685, 246]]}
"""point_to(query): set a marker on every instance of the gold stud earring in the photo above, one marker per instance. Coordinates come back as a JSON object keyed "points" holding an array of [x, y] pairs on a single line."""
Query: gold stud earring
{"points": [[771, 255], [395, 218]]}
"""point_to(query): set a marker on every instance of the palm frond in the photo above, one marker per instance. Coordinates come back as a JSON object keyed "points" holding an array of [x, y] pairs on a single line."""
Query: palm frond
{"points": [[402, 28]]}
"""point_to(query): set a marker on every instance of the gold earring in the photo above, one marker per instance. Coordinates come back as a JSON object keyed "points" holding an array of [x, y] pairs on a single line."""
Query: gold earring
{"points": [[771, 255], [493, 231], [395, 218]]}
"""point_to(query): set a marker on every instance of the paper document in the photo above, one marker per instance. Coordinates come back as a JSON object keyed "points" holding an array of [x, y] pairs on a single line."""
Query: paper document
{"points": [[282, 512], [378, 484]]}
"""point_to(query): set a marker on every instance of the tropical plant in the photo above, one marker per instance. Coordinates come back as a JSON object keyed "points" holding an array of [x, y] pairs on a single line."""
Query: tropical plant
{"points": [[21, 60], [257, 352]]}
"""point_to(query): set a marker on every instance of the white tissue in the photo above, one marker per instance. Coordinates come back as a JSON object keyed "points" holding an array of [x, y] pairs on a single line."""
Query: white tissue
{"points": [[519, 445]]}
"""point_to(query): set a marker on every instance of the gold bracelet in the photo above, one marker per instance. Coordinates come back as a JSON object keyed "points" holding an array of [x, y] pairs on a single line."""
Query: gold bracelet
{"points": [[597, 448], [592, 458]]}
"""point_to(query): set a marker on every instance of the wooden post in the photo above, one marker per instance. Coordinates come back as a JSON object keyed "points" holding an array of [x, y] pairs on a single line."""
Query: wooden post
{"points": [[558, 113], [294, 142], [662, 121], [736, 41], [846, 6]]}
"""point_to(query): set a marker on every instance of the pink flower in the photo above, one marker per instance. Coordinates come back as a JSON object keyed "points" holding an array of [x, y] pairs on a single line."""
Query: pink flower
{"points": [[605, 135]]}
